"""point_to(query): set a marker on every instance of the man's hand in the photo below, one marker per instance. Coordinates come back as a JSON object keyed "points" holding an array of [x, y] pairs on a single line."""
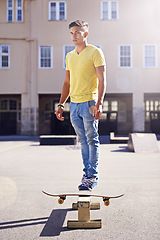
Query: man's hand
{"points": [[97, 112], [59, 113]]}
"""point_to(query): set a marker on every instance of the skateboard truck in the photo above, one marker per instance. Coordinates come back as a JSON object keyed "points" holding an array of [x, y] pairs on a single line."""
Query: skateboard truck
{"points": [[92, 205]]}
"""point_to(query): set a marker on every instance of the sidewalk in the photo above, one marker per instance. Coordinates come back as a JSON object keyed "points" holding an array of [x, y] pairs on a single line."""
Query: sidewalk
{"points": [[26, 168]]}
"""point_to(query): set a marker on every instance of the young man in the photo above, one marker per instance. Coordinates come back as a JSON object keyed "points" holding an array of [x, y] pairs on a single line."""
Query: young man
{"points": [[85, 83]]}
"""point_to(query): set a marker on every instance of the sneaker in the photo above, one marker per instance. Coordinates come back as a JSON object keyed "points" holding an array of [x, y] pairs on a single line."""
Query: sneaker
{"points": [[84, 177], [88, 184]]}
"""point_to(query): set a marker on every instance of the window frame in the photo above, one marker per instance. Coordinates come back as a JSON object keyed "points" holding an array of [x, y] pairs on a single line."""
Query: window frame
{"points": [[144, 55], [119, 56], [115, 106], [57, 11], [10, 9], [19, 8], [151, 105], [8, 108], [110, 10], [51, 55], [4, 54]]}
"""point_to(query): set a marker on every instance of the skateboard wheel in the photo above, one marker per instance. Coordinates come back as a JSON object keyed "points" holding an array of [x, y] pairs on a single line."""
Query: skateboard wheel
{"points": [[60, 201], [106, 202]]}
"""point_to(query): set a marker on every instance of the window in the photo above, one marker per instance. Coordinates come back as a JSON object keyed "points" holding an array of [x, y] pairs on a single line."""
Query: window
{"points": [[10, 12], [4, 56], [11, 105], [19, 10], [125, 56], [150, 56], [66, 50], [151, 105], [45, 57], [4, 105], [57, 10], [114, 106], [109, 10]]}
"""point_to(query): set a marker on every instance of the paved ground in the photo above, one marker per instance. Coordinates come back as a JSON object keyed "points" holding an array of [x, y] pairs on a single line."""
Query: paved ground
{"points": [[25, 213]]}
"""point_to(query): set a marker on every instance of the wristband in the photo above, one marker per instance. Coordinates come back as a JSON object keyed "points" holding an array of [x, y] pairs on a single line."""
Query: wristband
{"points": [[60, 105]]}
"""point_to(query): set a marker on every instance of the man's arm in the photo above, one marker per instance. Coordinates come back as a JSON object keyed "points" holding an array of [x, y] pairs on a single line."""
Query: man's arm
{"points": [[64, 95], [101, 75]]}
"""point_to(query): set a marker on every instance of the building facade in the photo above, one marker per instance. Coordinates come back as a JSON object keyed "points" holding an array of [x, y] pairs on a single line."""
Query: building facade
{"points": [[34, 40]]}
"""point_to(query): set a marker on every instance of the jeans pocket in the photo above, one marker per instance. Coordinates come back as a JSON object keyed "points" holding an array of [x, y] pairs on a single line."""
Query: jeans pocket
{"points": [[91, 105]]}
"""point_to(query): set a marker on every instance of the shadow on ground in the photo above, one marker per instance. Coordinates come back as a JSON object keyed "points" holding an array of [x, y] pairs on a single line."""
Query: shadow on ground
{"points": [[23, 223], [122, 149], [54, 225]]}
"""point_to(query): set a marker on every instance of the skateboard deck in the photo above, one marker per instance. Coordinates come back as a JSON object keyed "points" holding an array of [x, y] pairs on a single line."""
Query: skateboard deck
{"points": [[62, 196]]}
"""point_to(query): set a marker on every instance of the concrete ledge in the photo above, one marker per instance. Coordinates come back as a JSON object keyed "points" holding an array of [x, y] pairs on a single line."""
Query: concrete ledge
{"points": [[114, 139], [143, 142], [58, 140]]}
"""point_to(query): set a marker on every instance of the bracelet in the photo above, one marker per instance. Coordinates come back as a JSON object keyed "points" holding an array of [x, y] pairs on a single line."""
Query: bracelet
{"points": [[60, 105]]}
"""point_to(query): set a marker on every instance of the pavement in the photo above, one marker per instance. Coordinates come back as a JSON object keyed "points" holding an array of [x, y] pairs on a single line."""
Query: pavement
{"points": [[26, 168]]}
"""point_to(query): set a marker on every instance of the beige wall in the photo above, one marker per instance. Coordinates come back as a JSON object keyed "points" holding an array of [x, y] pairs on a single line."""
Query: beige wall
{"points": [[14, 80], [138, 24], [14, 30]]}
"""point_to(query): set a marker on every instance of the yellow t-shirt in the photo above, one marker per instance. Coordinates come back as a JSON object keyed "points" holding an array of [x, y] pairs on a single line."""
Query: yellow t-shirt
{"points": [[83, 78]]}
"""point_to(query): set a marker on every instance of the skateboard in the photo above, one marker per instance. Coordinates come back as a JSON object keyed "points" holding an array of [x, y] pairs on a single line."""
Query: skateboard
{"points": [[63, 196]]}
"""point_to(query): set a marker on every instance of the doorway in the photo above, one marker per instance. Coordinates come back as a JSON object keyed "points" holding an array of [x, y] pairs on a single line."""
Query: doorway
{"points": [[155, 122], [8, 123]]}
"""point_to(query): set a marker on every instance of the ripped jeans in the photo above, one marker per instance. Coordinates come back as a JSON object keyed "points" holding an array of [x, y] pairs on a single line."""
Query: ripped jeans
{"points": [[86, 129]]}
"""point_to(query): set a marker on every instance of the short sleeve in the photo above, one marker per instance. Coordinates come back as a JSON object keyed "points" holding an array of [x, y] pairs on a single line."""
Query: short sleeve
{"points": [[98, 58]]}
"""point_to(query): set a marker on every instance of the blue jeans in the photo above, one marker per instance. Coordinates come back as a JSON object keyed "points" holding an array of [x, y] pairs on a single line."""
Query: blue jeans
{"points": [[86, 129]]}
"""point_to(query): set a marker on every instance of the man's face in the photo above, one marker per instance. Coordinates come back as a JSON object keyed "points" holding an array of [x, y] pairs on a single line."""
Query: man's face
{"points": [[78, 35]]}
